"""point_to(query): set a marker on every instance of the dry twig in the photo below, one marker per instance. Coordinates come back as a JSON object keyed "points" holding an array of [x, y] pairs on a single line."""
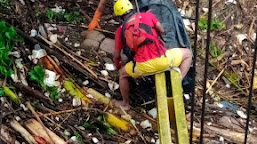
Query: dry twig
{"points": [[139, 133], [66, 53], [221, 72]]}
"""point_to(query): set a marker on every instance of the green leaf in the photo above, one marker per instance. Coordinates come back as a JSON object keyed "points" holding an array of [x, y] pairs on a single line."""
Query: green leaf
{"points": [[3, 70], [111, 131], [78, 136], [10, 33], [37, 74], [3, 27], [4, 57], [9, 73], [40, 71], [1, 91], [215, 24], [233, 77], [215, 52], [50, 14], [19, 39], [12, 96], [202, 23], [68, 17], [53, 93], [88, 125], [71, 88]]}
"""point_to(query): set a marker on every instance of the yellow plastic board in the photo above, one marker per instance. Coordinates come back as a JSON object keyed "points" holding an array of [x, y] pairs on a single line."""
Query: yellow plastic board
{"points": [[179, 109], [162, 109]]}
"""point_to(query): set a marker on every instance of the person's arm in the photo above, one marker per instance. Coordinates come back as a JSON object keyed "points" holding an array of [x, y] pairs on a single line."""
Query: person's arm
{"points": [[157, 25], [118, 48], [94, 22], [159, 28], [117, 59], [101, 5]]}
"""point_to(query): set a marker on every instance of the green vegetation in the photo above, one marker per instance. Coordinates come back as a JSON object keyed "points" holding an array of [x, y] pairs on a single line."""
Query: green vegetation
{"points": [[215, 24], [8, 39], [37, 74], [5, 3], [101, 124], [72, 17], [214, 51], [78, 137], [233, 78]]}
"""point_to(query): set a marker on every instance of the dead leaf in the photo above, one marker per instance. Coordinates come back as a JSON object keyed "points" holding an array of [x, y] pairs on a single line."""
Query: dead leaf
{"points": [[18, 9]]}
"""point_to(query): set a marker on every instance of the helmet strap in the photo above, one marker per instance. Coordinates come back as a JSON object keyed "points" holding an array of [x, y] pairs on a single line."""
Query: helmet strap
{"points": [[128, 14]]}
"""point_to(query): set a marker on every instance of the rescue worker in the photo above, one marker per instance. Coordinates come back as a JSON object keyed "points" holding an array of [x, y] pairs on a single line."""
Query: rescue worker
{"points": [[94, 22], [141, 31]]}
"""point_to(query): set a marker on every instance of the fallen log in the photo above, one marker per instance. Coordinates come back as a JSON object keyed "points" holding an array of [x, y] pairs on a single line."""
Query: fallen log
{"points": [[99, 97], [6, 137], [36, 129], [25, 134], [30, 92]]}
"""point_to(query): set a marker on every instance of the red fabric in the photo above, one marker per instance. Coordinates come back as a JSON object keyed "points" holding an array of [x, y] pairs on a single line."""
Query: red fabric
{"points": [[146, 52]]}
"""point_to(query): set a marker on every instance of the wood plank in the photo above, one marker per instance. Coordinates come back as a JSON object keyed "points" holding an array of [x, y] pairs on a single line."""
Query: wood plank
{"points": [[177, 93], [162, 109]]}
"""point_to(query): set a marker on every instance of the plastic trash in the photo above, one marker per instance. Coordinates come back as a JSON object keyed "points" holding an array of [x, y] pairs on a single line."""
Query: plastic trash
{"points": [[104, 73], [38, 53], [113, 85], [146, 125], [108, 95], [231, 1], [241, 114], [76, 102], [228, 105], [86, 82], [241, 38], [53, 38], [42, 31], [95, 140], [33, 33], [153, 112], [110, 67], [50, 78]]}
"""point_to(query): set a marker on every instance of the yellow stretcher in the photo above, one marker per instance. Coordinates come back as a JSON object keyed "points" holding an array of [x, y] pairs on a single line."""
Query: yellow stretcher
{"points": [[171, 110]]}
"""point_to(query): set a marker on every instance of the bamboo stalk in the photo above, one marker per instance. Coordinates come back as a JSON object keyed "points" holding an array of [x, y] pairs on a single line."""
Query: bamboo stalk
{"points": [[25, 134], [37, 117], [72, 57], [215, 80], [69, 111]]}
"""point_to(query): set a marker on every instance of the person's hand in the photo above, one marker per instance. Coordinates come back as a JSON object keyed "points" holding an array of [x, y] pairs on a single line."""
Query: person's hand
{"points": [[94, 22]]}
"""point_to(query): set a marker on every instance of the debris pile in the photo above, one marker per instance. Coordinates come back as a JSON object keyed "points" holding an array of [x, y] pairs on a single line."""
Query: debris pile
{"points": [[57, 79]]}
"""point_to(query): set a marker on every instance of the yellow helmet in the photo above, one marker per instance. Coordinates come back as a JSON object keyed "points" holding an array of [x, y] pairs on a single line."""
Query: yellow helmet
{"points": [[122, 6]]}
